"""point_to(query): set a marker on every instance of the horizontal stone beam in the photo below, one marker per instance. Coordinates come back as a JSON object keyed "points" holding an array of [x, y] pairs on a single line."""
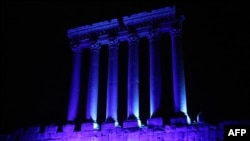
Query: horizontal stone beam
{"points": [[143, 19], [93, 27]]}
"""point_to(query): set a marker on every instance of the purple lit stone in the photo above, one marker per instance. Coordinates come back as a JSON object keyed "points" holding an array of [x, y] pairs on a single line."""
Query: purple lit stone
{"points": [[89, 126], [92, 96], [133, 76], [155, 122], [75, 86]]}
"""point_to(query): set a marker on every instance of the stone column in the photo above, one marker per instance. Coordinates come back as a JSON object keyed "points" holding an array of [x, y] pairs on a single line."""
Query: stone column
{"points": [[179, 88], [92, 96], [155, 72], [133, 81], [155, 78], [112, 85], [75, 83]]}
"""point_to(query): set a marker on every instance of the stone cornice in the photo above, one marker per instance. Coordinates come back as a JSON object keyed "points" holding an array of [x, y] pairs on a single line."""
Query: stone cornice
{"points": [[164, 18], [163, 14], [95, 27]]}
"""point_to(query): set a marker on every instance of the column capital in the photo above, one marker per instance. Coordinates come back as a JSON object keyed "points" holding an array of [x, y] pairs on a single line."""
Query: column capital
{"points": [[75, 47], [133, 38], [175, 32], [95, 46], [153, 34], [114, 43]]}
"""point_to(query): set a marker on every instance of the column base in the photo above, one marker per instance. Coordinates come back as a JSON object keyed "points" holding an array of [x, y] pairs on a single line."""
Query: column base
{"points": [[68, 128], [110, 125], [155, 122], [132, 123], [89, 126], [180, 119], [51, 129]]}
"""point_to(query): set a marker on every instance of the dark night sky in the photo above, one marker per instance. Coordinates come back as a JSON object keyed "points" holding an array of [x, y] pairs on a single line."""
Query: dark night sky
{"points": [[36, 58]]}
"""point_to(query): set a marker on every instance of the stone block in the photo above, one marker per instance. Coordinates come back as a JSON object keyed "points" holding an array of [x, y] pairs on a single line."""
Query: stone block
{"points": [[131, 123], [68, 128], [89, 126], [180, 120], [109, 125], [33, 130], [155, 122], [51, 129]]}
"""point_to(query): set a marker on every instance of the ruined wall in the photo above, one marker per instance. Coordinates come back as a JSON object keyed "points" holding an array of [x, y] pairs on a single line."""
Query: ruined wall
{"points": [[165, 133]]}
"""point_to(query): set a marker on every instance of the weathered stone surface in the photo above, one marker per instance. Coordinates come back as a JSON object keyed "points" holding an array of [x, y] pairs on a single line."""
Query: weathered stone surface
{"points": [[204, 132]]}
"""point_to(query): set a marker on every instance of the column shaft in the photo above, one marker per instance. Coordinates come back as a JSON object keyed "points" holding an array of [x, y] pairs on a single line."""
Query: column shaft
{"points": [[92, 96], [133, 77], [112, 84], [180, 104], [75, 87], [155, 73]]}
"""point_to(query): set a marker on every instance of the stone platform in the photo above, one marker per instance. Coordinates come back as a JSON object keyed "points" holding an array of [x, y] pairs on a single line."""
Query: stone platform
{"points": [[192, 132]]}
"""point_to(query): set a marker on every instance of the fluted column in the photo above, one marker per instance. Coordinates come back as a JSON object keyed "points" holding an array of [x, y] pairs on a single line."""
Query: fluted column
{"points": [[179, 87], [75, 83], [155, 72], [92, 96], [133, 77], [112, 84]]}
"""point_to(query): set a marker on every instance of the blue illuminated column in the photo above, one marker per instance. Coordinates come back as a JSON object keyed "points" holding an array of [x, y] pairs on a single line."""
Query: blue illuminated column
{"points": [[112, 85], [179, 88], [92, 96], [133, 77], [75, 83], [155, 72]]}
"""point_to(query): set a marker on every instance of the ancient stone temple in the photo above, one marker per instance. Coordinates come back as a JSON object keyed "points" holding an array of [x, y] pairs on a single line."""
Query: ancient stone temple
{"points": [[130, 29]]}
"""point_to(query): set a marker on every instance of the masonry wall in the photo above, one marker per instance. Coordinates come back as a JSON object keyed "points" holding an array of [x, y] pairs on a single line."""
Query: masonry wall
{"points": [[167, 133]]}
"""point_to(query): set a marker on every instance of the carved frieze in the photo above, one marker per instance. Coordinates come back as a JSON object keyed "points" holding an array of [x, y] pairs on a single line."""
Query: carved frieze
{"points": [[95, 27], [139, 21], [149, 16]]}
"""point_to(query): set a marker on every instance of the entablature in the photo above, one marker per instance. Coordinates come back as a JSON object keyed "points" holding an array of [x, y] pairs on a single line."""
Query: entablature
{"points": [[164, 19]]}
